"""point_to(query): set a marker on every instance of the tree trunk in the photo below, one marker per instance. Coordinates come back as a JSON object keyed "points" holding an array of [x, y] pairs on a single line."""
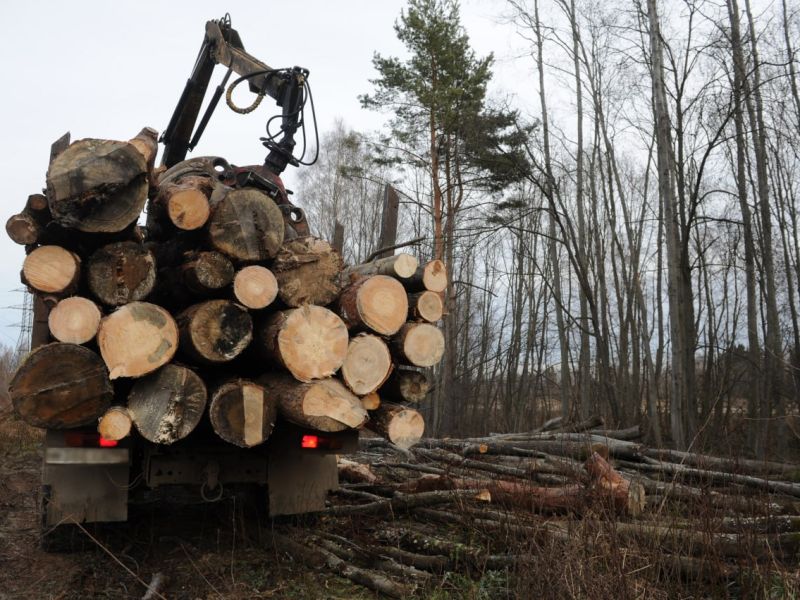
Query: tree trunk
{"points": [[214, 332], [59, 386], [377, 303], [120, 273], [242, 412], [255, 287], [246, 225], [52, 269], [137, 339], [74, 320], [367, 365], [325, 405], [167, 405], [311, 341], [419, 344], [400, 425], [308, 270]]}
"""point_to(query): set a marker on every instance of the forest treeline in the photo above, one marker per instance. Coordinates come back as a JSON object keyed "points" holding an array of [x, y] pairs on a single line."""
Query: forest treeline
{"points": [[624, 241]]}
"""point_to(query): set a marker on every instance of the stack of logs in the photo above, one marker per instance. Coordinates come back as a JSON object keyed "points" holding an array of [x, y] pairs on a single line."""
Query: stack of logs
{"points": [[216, 306]]}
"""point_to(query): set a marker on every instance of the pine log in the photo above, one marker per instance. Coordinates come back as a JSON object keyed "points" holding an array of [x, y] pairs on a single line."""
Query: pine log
{"points": [[378, 303], [215, 332], [59, 386], [167, 405], [242, 412], [137, 339], [400, 266], [97, 185], [246, 225], [419, 344], [400, 425], [184, 204], [27, 227], [146, 142], [367, 365], [371, 401], [311, 341], [406, 385], [431, 276], [625, 496], [425, 306], [74, 320], [255, 287], [52, 269], [115, 424], [206, 273], [120, 273], [308, 270], [325, 405]]}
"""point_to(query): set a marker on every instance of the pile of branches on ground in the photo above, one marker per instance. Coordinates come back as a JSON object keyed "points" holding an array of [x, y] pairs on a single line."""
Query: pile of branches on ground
{"points": [[508, 502]]}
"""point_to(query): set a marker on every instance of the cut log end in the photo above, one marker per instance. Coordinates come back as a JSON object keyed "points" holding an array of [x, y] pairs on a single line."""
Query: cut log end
{"points": [[216, 331], [406, 385], [23, 229], [377, 303], [307, 270], [420, 344], [242, 413], [115, 424], [188, 209], [246, 225], [255, 287], [434, 276], [51, 269], [74, 320], [426, 306], [371, 401], [367, 365], [137, 339], [121, 272], [400, 425]]}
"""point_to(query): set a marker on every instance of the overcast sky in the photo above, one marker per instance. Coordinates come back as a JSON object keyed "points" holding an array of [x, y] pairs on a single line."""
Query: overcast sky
{"points": [[107, 69]]}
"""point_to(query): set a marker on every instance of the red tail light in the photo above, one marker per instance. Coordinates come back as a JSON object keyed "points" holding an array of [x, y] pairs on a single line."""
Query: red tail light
{"points": [[104, 443], [309, 441], [87, 439]]}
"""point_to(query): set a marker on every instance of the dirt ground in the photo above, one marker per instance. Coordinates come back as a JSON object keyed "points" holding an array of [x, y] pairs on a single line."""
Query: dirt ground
{"points": [[207, 551]]}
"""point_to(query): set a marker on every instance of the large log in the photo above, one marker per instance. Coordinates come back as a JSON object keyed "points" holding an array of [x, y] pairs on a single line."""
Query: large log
{"points": [[167, 405], [326, 405], [311, 341], [115, 424], [59, 386], [255, 287], [431, 276], [52, 269], [419, 344], [400, 266], [215, 332], [308, 271], [425, 306], [74, 320], [242, 412], [137, 339], [406, 385], [400, 425], [367, 364], [246, 225], [97, 185], [120, 273], [377, 303]]}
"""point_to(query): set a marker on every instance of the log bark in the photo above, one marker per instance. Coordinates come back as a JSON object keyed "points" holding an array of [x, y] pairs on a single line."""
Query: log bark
{"points": [[115, 424], [311, 341], [246, 225], [367, 365], [52, 270], [406, 385], [242, 412], [146, 142], [255, 287], [167, 405], [137, 339], [97, 185], [625, 496], [425, 306], [419, 344], [325, 405], [74, 320], [214, 332], [307, 270], [120, 273], [377, 303], [399, 266], [431, 276], [59, 386], [400, 425]]}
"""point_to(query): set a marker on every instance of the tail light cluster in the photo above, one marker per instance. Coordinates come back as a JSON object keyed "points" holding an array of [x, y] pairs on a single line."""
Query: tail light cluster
{"points": [[87, 439], [319, 442]]}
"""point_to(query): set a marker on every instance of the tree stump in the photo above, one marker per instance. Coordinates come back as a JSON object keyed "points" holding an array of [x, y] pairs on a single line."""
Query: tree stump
{"points": [[255, 287], [137, 339], [59, 386], [120, 273], [215, 332], [367, 364], [377, 303], [52, 270], [242, 413], [167, 405], [74, 320], [419, 344], [246, 225], [400, 425], [308, 271], [311, 341]]}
